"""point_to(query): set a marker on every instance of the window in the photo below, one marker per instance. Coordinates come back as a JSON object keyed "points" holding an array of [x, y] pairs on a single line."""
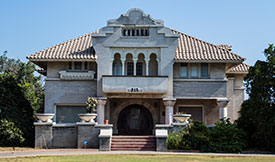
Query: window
{"points": [[130, 68], [117, 68], [69, 114], [139, 68], [135, 32], [78, 65], [204, 70], [196, 112], [183, 70], [85, 65], [194, 70], [70, 65]]}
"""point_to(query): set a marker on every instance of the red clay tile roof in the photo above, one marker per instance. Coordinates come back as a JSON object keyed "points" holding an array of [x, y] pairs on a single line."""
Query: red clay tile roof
{"points": [[189, 49], [241, 68], [193, 49], [75, 49]]}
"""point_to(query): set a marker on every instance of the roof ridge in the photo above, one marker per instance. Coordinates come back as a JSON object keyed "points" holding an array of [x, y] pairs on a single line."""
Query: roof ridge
{"points": [[208, 43]]}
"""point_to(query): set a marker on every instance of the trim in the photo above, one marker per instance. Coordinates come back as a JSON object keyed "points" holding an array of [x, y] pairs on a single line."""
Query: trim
{"points": [[64, 124], [133, 76], [203, 98], [199, 80], [208, 61], [61, 60], [237, 72], [187, 105], [58, 79]]}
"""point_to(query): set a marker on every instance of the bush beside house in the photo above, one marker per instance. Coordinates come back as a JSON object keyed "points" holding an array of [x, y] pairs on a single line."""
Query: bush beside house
{"points": [[224, 137]]}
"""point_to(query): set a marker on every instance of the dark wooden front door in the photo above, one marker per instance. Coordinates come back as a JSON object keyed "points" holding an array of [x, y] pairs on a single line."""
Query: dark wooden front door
{"points": [[135, 120]]}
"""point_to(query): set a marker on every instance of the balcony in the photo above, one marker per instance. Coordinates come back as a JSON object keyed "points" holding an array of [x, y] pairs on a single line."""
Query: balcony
{"points": [[134, 84], [76, 75]]}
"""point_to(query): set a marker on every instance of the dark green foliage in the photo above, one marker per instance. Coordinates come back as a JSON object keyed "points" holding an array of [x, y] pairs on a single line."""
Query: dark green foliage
{"points": [[192, 137], [10, 135], [225, 137], [257, 114], [21, 96]]}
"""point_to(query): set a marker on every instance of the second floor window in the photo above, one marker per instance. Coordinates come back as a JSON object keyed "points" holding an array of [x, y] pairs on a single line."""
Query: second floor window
{"points": [[204, 70], [183, 70], [194, 70], [139, 68], [117, 68], [130, 68], [78, 66]]}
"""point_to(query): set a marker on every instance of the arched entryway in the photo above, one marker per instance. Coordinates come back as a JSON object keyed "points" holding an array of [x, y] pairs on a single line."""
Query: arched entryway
{"points": [[135, 120]]}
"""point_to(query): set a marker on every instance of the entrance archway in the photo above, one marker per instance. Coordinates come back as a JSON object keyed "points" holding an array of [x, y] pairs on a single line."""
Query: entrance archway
{"points": [[135, 120]]}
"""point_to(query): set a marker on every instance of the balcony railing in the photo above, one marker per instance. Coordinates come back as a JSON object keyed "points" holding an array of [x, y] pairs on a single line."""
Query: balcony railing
{"points": [[134, 84]]}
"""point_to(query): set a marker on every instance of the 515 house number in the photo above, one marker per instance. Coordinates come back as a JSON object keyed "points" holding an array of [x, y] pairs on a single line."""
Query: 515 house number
{"points": [[134, 90]]}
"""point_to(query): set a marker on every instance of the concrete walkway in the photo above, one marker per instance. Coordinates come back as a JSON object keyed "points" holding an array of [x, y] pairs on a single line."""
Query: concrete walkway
{"points": [[57, 152]]}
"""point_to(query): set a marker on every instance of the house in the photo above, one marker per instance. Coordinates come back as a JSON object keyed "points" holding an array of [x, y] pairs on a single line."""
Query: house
{"points": [[142, 73]]}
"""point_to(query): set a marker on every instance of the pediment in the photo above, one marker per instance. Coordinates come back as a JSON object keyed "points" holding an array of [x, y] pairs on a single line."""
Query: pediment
{"points": [[135, 17]]}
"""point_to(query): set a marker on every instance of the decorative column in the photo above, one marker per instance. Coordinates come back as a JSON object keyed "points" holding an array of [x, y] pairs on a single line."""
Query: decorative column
{"points": [[101, 109], [123, 66], [222, 107], [135, 66], [147, 67], [169, 110]]}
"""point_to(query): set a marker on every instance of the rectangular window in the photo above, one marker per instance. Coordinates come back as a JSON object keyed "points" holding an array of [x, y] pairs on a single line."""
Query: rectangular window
{"points": [[194, 70], [183, 70], [78, 65], [130, 68], [69, 114], [70, 65], [85, 65], [204, 70], [139, 68], [196, 112]]}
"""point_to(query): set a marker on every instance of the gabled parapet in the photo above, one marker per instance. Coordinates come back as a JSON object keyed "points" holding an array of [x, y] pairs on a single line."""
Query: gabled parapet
{"points": [[135, 16]]}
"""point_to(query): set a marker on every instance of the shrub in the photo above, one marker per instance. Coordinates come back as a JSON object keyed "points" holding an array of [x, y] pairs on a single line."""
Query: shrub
{"points": [[10, 135], [226, 137], [192, 137], [174, 140]]}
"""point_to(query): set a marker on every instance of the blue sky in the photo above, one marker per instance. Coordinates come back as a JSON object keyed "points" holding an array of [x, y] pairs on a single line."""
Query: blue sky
{"points": [[32, 25]]}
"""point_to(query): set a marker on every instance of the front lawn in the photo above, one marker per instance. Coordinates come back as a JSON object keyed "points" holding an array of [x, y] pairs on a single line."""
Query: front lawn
{"points": [[137, 158]]}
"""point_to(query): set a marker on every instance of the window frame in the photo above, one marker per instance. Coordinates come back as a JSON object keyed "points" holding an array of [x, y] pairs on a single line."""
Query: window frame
{"points": [[189, 71], [193, 105], [71, 66]]}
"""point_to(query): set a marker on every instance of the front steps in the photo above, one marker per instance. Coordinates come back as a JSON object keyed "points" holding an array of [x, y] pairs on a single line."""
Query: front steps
{"points": [[133, 143]]}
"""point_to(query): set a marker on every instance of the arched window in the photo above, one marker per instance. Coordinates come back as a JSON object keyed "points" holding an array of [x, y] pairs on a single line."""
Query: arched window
{"points": [[153, 65], [129, 64], [117, 65], [140, 67]]}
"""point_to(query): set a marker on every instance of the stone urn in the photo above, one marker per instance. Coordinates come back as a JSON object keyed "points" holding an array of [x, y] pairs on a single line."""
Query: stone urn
{"points": [[44, 117], [182, 118], [87, 117]]}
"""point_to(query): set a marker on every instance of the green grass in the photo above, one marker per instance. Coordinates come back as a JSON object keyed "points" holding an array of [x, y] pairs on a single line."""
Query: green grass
{"points": [[138, 158]]}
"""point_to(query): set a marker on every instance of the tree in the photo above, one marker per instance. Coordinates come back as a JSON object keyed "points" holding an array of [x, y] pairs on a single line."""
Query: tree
{"points": [[10, 135], [257, 114], [21, 95]]}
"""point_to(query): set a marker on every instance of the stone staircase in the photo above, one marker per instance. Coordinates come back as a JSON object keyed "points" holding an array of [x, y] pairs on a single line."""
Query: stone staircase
{"points": [[133, 143]]}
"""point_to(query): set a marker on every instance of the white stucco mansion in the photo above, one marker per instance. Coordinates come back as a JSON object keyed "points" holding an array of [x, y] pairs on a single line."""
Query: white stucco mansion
{"points": [[142, 73]]}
